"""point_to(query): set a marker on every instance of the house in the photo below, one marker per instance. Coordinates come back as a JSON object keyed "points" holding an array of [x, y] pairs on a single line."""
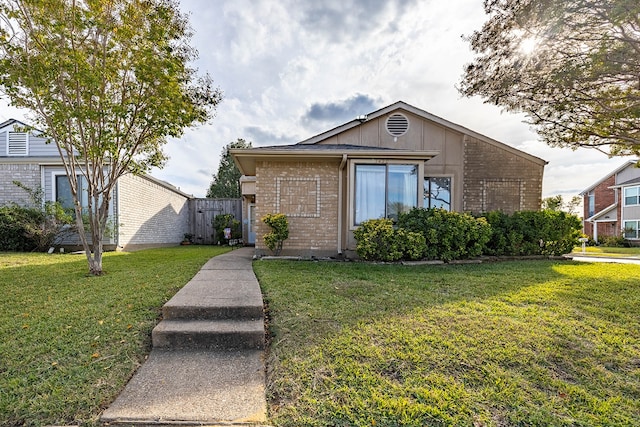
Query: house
{"points": [[612, 204], [376, 166], [145, 211]]}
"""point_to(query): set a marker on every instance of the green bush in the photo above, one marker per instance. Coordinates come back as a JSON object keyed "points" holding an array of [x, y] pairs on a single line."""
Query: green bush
{"points": [[279, 231], [614, 241], [376, 241], [27, 229], [449, 235], [222, 221], [545, 232]]}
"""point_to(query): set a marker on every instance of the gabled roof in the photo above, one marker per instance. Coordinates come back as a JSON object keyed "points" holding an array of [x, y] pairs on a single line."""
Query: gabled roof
{"points": [[602, 213], [619, 169], [425, 115], [12, 122]]}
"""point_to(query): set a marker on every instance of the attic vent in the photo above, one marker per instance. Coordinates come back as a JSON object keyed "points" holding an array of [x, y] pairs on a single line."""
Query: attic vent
{"points": [[397, 124], [16, 144]]}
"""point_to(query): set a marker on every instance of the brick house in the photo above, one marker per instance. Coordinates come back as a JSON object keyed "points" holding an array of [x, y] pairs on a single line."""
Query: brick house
{"points": [[378, 165], [612, 204], [147, 212]]}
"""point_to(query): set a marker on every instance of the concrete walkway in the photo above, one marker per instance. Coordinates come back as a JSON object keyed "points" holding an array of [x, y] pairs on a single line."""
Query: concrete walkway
{"points": [[207, 362]]}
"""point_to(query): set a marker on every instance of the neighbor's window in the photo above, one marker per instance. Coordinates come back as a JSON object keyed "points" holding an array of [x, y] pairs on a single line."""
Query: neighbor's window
{"points": [[592, 204], [632, 196], [64, 196], [384, 191], [631, 229], [437, 192]]}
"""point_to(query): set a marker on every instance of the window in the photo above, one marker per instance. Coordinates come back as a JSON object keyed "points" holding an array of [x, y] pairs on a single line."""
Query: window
{"points": [[631, 229], [384, 191], [632, 196], [17, 144], [437, 192], [64, 196], [592, 204]]}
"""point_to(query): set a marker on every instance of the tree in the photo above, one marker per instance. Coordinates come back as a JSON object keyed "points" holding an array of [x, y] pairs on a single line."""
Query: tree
{"points": [[226, 183], [557, 203], [108, 81], [572, 66]]}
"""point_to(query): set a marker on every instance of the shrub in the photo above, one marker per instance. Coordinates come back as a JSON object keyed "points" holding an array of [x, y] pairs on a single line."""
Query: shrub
{"points": [[279, 231], [448, 235], [545, 232], [222, 221], [614, 241], [376, 241], [32, 228]]}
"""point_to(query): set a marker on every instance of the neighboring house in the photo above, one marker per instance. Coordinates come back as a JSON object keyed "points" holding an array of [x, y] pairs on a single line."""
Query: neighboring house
{"points": [[145, 211], [612, 205], [376, 166]]}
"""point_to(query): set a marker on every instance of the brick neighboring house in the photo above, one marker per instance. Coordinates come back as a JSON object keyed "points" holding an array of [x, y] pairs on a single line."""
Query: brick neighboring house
{"points": [[376, 166], [612, 204], [146, 211]]}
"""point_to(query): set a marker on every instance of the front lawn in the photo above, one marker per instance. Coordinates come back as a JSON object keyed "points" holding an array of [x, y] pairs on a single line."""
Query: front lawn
{"points": [[608, 251], [69, 342], [534, 343]]}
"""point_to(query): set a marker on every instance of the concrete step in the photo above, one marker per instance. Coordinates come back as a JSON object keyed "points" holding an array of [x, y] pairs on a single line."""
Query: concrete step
{"points": [[209, 334], [206, 296]]}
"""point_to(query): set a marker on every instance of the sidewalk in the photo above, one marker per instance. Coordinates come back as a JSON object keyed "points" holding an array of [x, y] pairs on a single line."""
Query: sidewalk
{"points": [[207, 362]]}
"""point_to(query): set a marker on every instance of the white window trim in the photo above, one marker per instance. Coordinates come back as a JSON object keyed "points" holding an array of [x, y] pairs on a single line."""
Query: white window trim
{"points": [[351, 200], [624, 198]]}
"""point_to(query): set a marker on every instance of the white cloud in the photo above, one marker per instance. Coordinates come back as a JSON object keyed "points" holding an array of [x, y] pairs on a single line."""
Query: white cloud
{"points": [[275, 60]]}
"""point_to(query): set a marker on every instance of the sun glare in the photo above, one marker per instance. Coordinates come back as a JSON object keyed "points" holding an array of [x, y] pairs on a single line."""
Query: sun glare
{"points": [[528, 45]]}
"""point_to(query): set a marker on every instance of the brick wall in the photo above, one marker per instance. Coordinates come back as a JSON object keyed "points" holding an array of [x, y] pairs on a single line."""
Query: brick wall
{"points": [[307, 192], [603, 197], [150, 214], [496, 178], [27, 173]]}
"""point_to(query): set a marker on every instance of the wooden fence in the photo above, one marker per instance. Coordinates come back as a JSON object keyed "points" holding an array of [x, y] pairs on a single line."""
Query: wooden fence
{"points": [[202, 213]]}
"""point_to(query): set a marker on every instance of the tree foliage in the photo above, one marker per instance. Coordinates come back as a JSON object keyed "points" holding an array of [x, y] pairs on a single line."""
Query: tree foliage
{"points": [[572, 66], [108, 81], [557, 203], [226, 183]]}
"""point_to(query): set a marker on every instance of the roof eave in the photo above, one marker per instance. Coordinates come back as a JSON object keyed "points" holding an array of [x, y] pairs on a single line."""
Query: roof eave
{"points": [[246, 159]]}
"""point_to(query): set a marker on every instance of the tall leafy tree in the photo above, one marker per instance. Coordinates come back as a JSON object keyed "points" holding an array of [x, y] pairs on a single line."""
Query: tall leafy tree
{"points": [[226, 183], [108, 81], [573, 66]]}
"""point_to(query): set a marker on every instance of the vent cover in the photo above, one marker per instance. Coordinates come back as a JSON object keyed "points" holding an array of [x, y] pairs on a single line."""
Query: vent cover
{"points": [[17, 144], [397, 124]]}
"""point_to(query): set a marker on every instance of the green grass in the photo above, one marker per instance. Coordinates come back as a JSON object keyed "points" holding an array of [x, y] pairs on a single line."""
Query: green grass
{"points": [[609, 251], [69, 342], [535, 343]]}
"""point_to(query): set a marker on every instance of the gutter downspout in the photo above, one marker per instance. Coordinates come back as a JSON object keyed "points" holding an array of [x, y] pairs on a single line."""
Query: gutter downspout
{"points": [[342, 164]]}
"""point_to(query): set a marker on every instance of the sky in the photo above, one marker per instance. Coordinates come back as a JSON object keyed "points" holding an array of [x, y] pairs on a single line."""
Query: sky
{"points": [[291, 69]]}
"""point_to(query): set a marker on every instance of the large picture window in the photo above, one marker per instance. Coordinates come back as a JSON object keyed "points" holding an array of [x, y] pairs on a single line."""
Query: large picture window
{"points": [[632, 196], [384, 191], [64, 196], [437, 192]]}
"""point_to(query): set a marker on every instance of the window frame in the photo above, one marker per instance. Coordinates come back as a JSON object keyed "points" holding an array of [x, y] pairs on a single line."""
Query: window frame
{"points": [[636, 229], [381, 162], [54, 191], [637, 195], [429, 176]]}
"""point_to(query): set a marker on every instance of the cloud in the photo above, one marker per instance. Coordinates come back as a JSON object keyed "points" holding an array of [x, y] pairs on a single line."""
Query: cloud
{"points": [[342, 111], [259, 136]]}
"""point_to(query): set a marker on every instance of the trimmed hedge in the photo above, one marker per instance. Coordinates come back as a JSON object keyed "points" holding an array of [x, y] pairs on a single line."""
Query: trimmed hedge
{"points": [[439, 234], [545, 232]]}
